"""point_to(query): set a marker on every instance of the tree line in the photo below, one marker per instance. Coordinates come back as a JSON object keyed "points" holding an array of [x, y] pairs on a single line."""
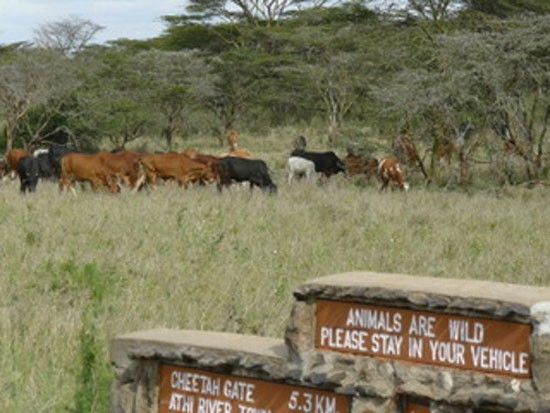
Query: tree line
{"points": [[466, 81]]}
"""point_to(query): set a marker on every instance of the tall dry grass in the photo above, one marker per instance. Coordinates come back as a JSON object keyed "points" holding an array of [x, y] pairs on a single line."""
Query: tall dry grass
{"points": [[76, 271]]}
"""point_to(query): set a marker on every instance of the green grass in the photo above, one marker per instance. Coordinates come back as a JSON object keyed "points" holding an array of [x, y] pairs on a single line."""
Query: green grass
{"points": [[76, 271]]}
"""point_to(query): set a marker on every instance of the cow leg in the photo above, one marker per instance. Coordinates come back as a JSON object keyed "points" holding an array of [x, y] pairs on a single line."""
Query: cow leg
{"points": [[63, 183], [23, 187], [110, 182], [139, 183], [151, 179], [67, 184], [222, 182]]}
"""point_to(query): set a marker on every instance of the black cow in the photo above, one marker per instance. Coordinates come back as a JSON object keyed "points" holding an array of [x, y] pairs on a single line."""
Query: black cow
{"points": [[255, 171], [45, 166], [326, 163], [55, 153], [28, 170]]}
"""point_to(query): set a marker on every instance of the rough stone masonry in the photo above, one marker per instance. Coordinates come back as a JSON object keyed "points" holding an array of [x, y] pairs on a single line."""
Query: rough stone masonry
{"points": [[357, 342]]}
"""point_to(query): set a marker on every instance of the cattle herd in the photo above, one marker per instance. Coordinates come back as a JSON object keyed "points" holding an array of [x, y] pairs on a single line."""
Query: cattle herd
{"points": [[136, 170]]}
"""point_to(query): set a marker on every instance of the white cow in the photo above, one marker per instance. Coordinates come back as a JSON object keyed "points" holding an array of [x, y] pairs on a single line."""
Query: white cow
{"points": [[297, 167]]}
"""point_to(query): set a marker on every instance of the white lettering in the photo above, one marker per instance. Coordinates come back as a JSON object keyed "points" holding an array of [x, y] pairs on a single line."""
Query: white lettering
{"points": [[181, 403], [462, 330], [374, 320], [490, 358], [206, 405], [415, 347], [447, 352], [344, 339], [239, 390], [248, 409], [422, 325], [386, 344]]}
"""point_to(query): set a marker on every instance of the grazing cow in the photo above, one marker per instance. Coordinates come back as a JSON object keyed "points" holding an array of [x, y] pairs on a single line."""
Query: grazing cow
{"points": [[326, 163], [389, 171], [298, 167], [86, 168], [124, 165], [29, 171], [39, 151], [176, 166], [55, 153], [254, 171], [45, 168], [358, 165], [201, 157], [12, 158]]}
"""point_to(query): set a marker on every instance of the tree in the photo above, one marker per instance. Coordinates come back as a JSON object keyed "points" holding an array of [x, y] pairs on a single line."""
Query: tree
{"points": [[114, 101], [252, 12], [435, 10], [32, 80], [506, 8], [497, 81], [180, 81], [509, 75], [70, 35]]}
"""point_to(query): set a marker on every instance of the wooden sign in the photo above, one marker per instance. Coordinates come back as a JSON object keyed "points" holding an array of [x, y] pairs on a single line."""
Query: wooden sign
{"points": [[469, 343], [189, 390]]}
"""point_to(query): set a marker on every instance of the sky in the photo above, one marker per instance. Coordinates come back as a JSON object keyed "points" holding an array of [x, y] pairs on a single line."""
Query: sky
{"points": [[132, 19]]}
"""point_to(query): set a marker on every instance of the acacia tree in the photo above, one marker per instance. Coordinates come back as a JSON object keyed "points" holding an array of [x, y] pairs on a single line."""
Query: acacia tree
{"points": [[435, 10], [491, 78], [252, 12], [114, 101], [503, 8], [509, 74], [179, 82], [33, 80], [70, 35]]}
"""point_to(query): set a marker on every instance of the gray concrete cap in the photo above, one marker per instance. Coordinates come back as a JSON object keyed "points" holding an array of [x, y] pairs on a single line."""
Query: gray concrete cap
{"points": [[465, 288]]}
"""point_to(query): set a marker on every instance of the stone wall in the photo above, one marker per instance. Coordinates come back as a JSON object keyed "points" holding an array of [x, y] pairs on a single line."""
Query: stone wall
{"points": [[444, 387], [382, 376]]}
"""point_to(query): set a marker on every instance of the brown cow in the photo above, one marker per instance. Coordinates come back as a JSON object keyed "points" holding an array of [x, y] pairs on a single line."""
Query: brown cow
{"points": [[124, 165], [177, 166], [358, 165], [205, 158], [389, 172], [12, 160], [86, 168]]}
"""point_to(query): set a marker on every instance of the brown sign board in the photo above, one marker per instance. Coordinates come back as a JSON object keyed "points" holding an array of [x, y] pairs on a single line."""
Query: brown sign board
{"points": [[190, 390], [470, 343]]}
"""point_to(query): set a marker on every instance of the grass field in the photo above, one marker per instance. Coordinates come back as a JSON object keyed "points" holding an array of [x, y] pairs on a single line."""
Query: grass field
{"points": [[76, 271]]}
